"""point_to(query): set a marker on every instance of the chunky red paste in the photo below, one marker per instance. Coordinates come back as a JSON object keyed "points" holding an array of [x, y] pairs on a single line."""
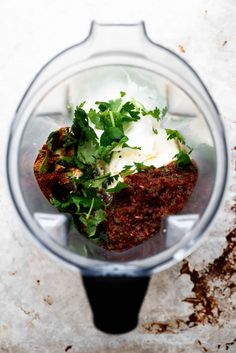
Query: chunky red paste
{"points": [[135, 213]]}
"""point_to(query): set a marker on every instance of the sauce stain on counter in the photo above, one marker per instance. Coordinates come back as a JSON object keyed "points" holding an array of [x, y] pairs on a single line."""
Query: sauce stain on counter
{"points": [[182, 49], [211, 286], [48, 300]]}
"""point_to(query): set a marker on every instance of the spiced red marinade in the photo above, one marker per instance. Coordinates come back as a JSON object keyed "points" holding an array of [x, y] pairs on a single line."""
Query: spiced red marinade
{"points": [[135, 213]]}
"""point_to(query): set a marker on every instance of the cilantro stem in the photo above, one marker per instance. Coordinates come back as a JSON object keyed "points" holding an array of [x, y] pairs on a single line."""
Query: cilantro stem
{"points": [[102, 176], [112, 119], [134, 103], [141, 104], [120, 107], [83, 192], [90, 209]]}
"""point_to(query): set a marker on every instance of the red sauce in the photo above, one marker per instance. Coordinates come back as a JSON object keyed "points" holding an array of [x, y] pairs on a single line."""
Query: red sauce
{"points": [[135, 213]]}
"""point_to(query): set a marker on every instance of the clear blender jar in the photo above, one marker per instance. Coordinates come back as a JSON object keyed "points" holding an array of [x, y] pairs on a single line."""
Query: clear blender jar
{"points": [[111, 59]]}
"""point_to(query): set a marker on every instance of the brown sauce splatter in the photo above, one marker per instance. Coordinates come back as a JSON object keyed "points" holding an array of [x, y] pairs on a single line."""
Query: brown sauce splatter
{"points": [[209, 288]]}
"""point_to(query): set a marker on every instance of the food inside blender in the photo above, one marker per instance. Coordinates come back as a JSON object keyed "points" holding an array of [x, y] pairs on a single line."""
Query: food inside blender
{"points": [[117, 171]]}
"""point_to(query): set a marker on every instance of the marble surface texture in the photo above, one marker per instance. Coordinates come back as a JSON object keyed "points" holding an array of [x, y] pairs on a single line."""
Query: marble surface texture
{"points": [[43, 307]]}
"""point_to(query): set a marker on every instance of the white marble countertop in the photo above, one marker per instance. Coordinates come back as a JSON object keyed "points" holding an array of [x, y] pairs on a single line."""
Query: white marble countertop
{"points": [[43, 307]]}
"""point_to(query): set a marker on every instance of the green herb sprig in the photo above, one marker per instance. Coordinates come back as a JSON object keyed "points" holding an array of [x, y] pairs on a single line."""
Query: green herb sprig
{"points": [[183, 156]]}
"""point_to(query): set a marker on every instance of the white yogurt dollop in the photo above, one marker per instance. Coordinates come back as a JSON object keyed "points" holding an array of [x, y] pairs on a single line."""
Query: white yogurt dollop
{"points": [[155, 149]]}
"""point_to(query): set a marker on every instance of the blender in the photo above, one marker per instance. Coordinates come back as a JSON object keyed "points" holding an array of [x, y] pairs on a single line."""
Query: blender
{"points": [[114, 58]]}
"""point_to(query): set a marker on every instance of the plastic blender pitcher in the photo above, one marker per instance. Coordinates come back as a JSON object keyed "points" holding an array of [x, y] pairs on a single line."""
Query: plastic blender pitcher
{"points": [[111, 59]]}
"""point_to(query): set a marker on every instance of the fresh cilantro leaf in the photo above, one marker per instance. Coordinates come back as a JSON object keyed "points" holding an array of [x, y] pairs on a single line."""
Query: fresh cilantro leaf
{"points": [[127, 167], [62, 206], [105, 153], [96, 119], [112, 134], [99, 181], [43, 168], [132, 147], [66, 161], [80, 121], [128, 107], [155, 131], [127, 170], [114, 105], [119, 186], [93, 221], [164, 112], [77, 200], [69, 140], [174, 134], [129, 112], [50, 140], [182, 158], [155, 113], [80, 126], [122, 94], [141, 167], [112, 178], [102, 106], [87, 152], [130, 169], [82, 104]]}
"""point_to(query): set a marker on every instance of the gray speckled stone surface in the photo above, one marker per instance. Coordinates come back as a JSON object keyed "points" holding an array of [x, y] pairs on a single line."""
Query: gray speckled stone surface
{"points": [[43, 307]]}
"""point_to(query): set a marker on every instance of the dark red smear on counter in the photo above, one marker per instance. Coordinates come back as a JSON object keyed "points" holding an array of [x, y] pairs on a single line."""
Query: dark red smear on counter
{"points": [[135, 213]]}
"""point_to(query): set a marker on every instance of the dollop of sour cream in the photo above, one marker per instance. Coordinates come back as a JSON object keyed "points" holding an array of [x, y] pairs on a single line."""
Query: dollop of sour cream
{"points": [[155, 150]]}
